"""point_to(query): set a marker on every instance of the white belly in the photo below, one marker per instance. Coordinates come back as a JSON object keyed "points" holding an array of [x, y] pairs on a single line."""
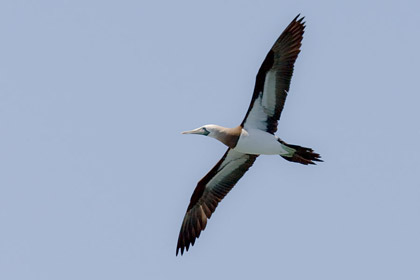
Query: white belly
{"points": [[258, 142]]}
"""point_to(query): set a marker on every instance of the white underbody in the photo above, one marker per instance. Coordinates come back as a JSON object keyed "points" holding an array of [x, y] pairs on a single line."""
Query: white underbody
{"points": [[258, 142]]}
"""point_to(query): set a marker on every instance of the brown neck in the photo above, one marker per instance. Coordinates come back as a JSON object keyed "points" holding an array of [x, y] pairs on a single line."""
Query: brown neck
{"points": [[228, 136]]}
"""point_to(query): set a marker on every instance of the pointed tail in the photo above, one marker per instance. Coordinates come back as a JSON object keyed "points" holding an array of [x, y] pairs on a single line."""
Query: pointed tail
{"points": [[302, 155]]}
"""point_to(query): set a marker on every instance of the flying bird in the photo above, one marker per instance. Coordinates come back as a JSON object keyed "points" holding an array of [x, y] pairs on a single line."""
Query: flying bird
{"points": [[253, 137]]}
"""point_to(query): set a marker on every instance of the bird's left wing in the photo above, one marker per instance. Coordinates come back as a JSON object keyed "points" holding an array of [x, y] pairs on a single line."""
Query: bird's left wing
{"points": [[210, 190]]}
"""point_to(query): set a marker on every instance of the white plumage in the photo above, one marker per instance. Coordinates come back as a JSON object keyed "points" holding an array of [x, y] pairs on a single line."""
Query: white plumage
{"points": [[258, 142]]}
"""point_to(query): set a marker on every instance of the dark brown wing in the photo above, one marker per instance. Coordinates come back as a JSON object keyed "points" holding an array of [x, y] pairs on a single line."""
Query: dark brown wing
{"points": [[273, 79], [210, 190]]}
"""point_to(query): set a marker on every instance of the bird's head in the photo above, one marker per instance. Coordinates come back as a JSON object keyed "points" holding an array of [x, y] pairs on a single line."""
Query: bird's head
{"points": [[206, 130]]}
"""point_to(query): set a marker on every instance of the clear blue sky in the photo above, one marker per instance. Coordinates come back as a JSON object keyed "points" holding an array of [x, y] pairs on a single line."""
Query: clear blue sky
{"points": [[96, 177]]}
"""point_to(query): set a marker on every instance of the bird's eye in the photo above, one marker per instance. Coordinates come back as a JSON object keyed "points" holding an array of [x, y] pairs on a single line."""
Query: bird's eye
{"points": [[206, 132]]}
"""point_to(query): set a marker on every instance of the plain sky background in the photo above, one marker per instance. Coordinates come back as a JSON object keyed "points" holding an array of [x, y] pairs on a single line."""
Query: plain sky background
{"points": [[95, 176]]}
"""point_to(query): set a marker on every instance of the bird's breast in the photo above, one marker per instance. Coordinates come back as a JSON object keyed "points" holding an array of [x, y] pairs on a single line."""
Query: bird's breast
{"points": [[258, 142]]}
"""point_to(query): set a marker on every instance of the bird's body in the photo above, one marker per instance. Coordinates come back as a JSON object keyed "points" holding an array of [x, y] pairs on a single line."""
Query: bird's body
{"points": [[248, 141], [258, 142], [253, 137]]}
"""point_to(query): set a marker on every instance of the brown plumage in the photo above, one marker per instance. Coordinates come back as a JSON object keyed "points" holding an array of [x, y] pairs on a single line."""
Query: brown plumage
{"points": [[229, 136], [209, 192]]}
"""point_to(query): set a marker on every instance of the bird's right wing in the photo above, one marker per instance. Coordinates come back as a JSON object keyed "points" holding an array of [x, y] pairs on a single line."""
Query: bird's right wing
{"points": [[273, 79], [210, 190]]}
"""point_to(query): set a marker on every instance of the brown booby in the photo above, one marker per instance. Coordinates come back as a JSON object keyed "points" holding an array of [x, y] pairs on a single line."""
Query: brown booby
{"points": [[253, 137]]}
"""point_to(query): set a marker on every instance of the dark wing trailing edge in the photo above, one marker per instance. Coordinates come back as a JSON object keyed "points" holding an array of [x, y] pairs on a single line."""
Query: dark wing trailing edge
{"points": [[210, 190], [273, 79]]}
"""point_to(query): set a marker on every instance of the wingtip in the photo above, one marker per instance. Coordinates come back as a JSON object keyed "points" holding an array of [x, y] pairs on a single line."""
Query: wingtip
{"points": [[180, 246], [298, 18], [179, 249]]}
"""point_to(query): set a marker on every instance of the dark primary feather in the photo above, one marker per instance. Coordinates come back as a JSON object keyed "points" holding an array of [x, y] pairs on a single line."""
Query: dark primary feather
{"points": [[281, 59], [210, 190]]}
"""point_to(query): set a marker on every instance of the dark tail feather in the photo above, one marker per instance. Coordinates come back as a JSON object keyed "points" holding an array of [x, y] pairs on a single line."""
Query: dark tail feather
{"points": [[302, 155]]}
